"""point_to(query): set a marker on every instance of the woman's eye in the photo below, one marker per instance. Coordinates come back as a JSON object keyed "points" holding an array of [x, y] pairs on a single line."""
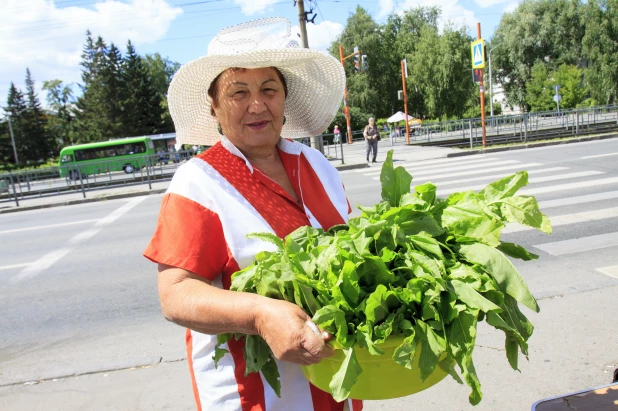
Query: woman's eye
{"points": [[239, 93]]}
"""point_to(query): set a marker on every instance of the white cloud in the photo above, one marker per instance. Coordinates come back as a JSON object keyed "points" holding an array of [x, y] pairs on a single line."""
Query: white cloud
{"points": [[48, 40], [452, 11], [512, 6], [250, 7], [489, 3], [321, 35], [386, 7]]}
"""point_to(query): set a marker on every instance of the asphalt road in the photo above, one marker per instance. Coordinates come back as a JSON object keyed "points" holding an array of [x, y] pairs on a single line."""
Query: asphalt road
{"points": [[76, 296]]}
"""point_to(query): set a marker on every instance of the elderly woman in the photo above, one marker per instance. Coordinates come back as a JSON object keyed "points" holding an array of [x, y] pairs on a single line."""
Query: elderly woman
{"points": [[254, 86]]}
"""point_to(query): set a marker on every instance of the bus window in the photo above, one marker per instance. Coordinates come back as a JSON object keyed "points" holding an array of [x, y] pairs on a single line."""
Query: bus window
{"points": [[67, 158]]}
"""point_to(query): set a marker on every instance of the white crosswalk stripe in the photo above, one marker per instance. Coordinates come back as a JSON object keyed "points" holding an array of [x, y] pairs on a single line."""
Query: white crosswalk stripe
{"points": [[430, 163], [513, 168], [579, 245], [574, 218], [417, 169], [490, 178]]}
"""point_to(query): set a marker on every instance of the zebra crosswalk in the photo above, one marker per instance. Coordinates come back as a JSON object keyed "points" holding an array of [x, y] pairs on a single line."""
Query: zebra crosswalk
{"points": [[568, 193]]}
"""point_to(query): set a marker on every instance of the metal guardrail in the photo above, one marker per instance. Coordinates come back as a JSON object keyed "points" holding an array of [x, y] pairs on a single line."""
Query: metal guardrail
{"points": [[20, 185], [519, 127]]}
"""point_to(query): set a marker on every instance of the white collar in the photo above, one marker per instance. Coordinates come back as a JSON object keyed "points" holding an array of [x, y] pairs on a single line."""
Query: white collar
{"points": [[290, 147]]}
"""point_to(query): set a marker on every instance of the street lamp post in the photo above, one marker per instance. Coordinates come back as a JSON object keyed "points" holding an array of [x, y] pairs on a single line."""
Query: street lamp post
{"points": [[13, 140], [491, 89]]}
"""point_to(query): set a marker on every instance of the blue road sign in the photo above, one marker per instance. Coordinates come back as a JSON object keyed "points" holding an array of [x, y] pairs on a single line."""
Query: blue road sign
{"points": [[478, 54]]}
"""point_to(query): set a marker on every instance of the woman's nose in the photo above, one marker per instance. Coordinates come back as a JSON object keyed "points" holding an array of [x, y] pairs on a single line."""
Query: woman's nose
{"points": [[257, 104]]}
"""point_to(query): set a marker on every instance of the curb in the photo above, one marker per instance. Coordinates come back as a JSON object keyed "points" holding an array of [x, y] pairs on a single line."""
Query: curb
{"points": [[344, 167], [532, 145], [82, 201]]}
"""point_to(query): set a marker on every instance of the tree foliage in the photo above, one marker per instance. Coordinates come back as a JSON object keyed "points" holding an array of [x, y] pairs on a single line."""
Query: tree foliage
{"points": [[547, 31], [439, 82], [600, 46]]}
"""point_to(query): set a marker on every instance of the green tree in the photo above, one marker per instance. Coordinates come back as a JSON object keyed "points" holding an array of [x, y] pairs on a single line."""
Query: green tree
{"points": [[60, 99], [16, 109], [440, 71], [38, 146], [540, 91], [600, 46], [537, 31], [90, 108], [141, 102], [161, 71], [110, 76], [363, 88]]}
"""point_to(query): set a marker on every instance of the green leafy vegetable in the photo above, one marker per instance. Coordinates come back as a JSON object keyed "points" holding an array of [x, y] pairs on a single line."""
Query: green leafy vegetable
{"points": [[414, 265]]}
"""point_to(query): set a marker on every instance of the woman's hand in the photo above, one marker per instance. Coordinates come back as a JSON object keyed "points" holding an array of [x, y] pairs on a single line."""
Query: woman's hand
{"points": [[283, 327]]}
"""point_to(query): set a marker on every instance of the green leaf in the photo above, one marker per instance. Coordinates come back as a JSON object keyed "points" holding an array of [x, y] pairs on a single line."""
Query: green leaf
{"points": [[516, 251], [404, 353], [427, 192], [344, 379], [268, 237], [505, 187], [499, 267], [395, 182], [257, 353], [332, 319], [380, 303], [473, 299], [220, 352], [432, 347], [466, 218], [461, 335], [270, 371], [525, 210]]}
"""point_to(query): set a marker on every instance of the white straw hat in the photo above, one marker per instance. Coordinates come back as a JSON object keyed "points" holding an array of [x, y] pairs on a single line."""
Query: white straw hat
{"points": [[315, 80]]}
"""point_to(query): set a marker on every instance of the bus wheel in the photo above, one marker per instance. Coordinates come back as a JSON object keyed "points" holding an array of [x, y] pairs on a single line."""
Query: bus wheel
{"points": [[128, 168], [73, 175]]}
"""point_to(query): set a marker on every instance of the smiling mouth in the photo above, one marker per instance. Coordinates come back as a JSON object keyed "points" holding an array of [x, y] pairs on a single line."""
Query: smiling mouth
{"points": [[257, 125]]}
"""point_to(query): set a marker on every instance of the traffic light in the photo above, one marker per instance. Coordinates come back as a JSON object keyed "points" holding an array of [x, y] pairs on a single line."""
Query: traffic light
{"points": [[365, 65], [356, 59]]}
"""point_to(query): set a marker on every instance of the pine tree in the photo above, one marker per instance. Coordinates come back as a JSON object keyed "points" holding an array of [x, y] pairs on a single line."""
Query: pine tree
{"points": [[111, 78], [141, 103], [41, 148], [91, 121], [16, 107]]}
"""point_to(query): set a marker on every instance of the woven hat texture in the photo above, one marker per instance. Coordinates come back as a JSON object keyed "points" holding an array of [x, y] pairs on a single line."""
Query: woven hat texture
{"points": [[314, 79]]}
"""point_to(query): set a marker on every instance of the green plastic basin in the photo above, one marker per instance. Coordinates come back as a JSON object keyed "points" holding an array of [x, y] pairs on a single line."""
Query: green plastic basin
{"points": [[381, 379]]}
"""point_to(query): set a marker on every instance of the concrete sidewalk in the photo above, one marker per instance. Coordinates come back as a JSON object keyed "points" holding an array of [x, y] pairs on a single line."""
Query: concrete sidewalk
{"points": [[354, 157]]}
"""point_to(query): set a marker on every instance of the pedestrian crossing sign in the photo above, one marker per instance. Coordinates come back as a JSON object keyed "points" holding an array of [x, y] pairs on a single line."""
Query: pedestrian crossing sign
{"points": [[478, 54]]}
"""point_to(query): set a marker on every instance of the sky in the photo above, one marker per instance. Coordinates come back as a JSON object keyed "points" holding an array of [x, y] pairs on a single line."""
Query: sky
{"points": [[47, 36]]}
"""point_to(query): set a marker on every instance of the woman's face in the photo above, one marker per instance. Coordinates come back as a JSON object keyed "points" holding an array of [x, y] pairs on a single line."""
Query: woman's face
{"points": [[371, 122], [249, 108]]}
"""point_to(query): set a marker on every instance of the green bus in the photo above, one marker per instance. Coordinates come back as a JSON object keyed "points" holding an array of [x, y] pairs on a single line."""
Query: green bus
{"points": [[127, 154]]}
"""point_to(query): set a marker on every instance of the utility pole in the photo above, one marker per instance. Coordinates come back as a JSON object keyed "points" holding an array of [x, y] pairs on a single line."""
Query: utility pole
{"points": [[404, 74], [491, 89], [13, 140], [346, 107], [302, 23], [482, 90]]}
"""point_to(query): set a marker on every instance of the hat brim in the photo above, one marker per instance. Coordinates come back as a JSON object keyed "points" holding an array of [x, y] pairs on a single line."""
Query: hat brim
{"points": [[315, 84]]}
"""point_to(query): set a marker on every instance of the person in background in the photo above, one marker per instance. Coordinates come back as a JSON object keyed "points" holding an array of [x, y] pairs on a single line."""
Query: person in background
{"points": [[261, 90], [337, 135], [372, 136]]}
